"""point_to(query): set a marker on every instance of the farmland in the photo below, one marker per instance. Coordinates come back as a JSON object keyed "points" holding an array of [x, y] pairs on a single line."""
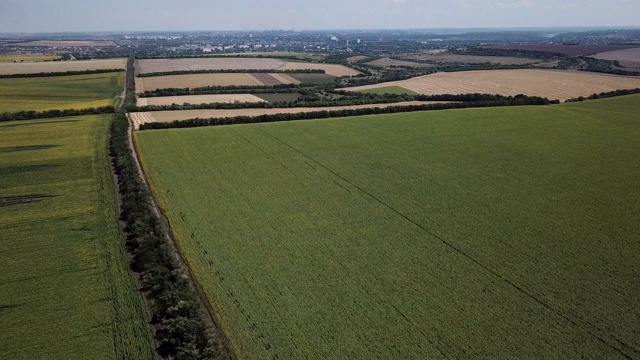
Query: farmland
{"points": [[66, 291], [60, 66], [202, 80], [479, 233], [199, 99], [60, 92], [629, 58], [571, 50], [139, 118], [561, 85], [166, 65]]}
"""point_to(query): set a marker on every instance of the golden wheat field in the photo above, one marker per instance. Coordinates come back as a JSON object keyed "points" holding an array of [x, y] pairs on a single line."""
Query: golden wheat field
{"points": [[199, 99], [139, 118], [61, 66], [146, 66], [552, 84]]}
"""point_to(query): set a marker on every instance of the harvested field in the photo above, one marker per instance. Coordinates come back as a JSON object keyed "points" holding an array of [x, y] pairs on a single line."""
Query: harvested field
{"points": [[61, 66], [285, 78], [199, 99], [195, 80], [629, 58], [354, 59], [146, 66], [64, 43], [571, 50], [561, 85], [168, 116], [330, 69]]}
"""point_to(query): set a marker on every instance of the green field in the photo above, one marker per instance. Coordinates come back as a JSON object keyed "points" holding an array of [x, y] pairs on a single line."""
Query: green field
{"points": [[397, 90], [311, 78], [60, 92], [66, 291], [506, 233], [273, 97]]}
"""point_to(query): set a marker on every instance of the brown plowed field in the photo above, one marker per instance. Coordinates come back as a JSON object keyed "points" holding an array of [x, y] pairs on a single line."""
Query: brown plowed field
{"points": [[61, 66], [167, 116], [146, 66], [629, 58], [267, 79], [561, 85], [199, 99], [571, 50]]}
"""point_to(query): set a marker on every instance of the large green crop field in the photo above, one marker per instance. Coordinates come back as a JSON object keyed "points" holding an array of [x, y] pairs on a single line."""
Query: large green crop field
{"points": [[65, 288], [491, 233], [60, 92]]}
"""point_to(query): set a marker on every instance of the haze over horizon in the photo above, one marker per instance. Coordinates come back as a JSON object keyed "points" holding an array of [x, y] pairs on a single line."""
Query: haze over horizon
{"points": [[38, 16]]}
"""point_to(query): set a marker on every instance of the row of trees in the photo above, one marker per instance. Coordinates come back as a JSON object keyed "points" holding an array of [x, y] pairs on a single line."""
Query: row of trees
{"points": [[29, 115], [324, 114], [64, 73], [231, 71], [608, 94], [232, 89], [176, 311]]}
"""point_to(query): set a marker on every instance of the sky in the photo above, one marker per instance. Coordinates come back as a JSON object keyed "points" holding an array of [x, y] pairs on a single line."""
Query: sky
{"points": [[33, 16]]}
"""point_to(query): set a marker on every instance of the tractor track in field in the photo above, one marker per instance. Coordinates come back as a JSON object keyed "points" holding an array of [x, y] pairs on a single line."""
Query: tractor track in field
{"points": [[621, 348]]}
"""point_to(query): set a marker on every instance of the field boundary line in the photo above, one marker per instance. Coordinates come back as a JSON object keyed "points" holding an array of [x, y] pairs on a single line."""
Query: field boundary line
{"points": [[214, 323], [518, 288]]}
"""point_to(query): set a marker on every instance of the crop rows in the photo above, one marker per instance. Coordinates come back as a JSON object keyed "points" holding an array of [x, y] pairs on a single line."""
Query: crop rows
{"points": [[481, 233], [66, 290]]}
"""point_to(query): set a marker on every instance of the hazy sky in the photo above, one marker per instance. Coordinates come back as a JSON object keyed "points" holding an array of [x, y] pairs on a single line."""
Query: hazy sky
{"points": [[134, 15]]}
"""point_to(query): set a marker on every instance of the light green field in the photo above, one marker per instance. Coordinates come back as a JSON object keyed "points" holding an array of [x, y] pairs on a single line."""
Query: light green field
{"points": [[65, 287], [60, 92], [498, 233], [20, 58], [397, 90]]}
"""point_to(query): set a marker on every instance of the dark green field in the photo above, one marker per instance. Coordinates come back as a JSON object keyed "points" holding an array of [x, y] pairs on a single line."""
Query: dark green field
{"points": [[66, 291], [506, 233], [286, 97], [311, 78], [60, 92]]}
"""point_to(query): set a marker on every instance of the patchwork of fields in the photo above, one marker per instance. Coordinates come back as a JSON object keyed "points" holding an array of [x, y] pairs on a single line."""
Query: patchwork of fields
{"points": [[479, 233], [560, 85], [221, 79], [166, 65], [66, 291], [60, 92], [7, 68]]}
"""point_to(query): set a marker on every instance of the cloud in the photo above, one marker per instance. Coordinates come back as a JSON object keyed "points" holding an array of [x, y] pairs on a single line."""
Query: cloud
{"points": [[398, 1]]}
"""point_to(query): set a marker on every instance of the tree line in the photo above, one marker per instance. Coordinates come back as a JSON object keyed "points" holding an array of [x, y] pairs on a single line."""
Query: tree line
{"points": [[232, 89], [177, 314], [324, 114], [30, 114], [231, 71], [608, 94], [64, 73]]}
